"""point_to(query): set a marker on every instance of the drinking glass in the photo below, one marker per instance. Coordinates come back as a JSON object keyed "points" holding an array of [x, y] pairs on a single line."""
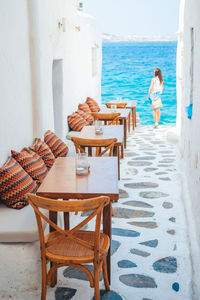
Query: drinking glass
{"points": [[82, 163], [98, 127], [113, 107]]}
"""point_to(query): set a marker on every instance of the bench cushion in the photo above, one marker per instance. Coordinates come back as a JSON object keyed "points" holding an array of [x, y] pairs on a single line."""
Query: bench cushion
{"points": [[44, 151], [57, 146], [32, 163], [85, 107], [18, 225], [93, 105], [15, 183], [76, 122], [88, 117]]}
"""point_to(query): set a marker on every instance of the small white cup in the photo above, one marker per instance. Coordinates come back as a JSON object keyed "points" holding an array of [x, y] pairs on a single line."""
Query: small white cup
{"points": [[113, 107], [98, 127], [82, 163]]}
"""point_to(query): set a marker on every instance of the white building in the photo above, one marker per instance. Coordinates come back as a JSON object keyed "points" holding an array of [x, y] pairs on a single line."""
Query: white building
{"points": [[50, 59], [188, 91]]}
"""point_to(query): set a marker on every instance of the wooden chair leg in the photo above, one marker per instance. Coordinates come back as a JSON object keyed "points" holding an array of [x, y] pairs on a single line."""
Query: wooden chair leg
{"points": [[112, 210], [44, 280], [105, 275], [96, 282]]}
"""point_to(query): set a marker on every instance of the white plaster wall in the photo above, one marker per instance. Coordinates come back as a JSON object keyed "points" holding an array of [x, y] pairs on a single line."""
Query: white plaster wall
{"points": [[16, 129], [30, 40], [189, 131]]}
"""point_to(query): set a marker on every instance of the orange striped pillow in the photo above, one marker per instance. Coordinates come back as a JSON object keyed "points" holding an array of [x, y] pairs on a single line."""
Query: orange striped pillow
{"points": [[15, 183], [89, 118], [43, 150], [57, 146], [85, 107], [32, 163], [76, 122], [93, 105]]}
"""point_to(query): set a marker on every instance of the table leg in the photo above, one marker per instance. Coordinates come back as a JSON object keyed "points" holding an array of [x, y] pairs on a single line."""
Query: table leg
{"points": [[108, 230], [134, 111], [116, 152], [122, 151], [125, 132], [129, 122], [133, 118]]}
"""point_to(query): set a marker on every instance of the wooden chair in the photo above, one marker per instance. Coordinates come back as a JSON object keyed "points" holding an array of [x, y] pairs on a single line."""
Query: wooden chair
{"points": [[107, 118], [73, 247], [118, 105], [81, 143]]}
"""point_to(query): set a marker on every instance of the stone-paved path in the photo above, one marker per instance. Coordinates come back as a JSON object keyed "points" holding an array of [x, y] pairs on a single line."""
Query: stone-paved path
{"points": [[150, 259]]}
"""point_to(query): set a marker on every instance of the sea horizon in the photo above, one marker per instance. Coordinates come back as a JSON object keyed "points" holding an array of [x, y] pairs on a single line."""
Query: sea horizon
{"points": [[127, 72]]}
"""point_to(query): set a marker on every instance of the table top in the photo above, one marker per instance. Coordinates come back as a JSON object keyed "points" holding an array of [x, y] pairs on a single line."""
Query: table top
{"points": [[109, 132], [62, 182], [132, 103], [124, 112]]}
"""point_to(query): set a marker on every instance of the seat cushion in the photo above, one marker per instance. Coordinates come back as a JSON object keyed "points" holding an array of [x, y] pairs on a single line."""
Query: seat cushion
{"points": [[32, 163], [85, 107], [93, 105], [18, 225], [76, 122], [15, 183], [88, 117], [42, 149], [57, 146]]}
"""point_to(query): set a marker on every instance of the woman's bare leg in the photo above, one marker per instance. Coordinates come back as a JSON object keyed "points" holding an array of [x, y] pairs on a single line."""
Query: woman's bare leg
{"points": [[154, 115], [157, 115]]}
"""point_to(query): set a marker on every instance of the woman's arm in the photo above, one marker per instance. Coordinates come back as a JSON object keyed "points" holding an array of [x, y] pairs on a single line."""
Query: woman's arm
{"points": [[151, 88]]}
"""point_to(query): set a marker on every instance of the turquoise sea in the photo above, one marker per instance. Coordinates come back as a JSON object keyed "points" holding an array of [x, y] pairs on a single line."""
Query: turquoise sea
{"points": [[127, 72]]}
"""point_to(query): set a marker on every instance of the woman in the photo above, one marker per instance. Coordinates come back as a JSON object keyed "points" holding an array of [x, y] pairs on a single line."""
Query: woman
{"points": [[155, 90]]}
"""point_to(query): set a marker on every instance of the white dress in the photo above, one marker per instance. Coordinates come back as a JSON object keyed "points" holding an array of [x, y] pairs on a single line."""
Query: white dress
{"points": [[157, 87]]}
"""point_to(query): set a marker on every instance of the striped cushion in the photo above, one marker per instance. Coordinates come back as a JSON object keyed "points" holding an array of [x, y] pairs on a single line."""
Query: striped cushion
{"points": [[93, 105], [85, 107], [56, 145], [42, 149], [89, 118], [32, 163], [76, 122], [15, 183]]}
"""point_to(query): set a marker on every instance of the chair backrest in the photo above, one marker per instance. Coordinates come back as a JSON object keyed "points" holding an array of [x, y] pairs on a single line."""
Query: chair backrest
{"points": [[81, 143], [112, 118], [118, 105], [95, 204]]}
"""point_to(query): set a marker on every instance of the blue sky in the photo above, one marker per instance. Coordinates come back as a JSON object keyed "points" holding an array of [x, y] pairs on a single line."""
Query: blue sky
{"points": [[136, 17]]}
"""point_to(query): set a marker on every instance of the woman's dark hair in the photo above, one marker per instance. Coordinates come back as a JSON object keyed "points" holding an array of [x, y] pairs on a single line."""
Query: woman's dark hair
{"points": [[157, 72]]}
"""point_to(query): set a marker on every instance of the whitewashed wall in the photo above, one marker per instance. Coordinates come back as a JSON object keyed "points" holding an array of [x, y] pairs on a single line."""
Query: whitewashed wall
{"points": [[31, 40], [189, 129]]}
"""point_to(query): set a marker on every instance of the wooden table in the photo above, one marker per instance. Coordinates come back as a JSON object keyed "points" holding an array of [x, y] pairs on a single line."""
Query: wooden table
{"points": [[62, 183], [130, 105], [109, 132], [124, 119]]}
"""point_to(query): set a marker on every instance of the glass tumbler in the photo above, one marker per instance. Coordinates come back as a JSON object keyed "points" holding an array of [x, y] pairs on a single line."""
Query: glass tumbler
{"points": [[98, 127], [82, 163], [113, 107]]}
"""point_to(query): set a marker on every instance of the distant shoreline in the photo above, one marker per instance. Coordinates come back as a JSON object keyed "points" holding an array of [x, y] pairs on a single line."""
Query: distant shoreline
{"points": [[114, 38], [138, 41]]}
